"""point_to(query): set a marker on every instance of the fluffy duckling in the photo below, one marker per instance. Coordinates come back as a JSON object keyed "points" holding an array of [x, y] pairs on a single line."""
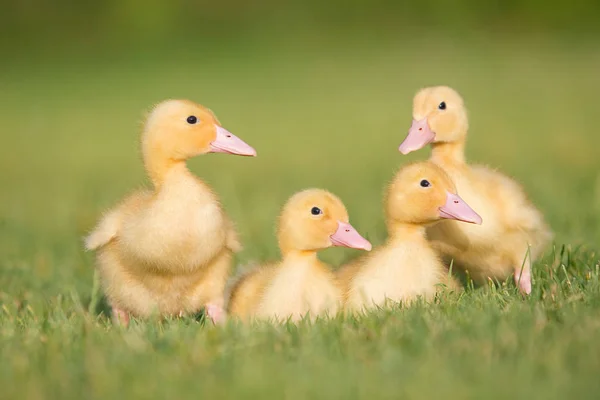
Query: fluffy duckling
{"points": [[168, 250], [299, 284], [514, 233], [406, 267]]}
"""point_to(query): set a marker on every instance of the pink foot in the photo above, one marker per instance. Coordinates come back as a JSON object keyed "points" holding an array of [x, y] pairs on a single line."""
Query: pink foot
{"points": [[120, 316], [523, 280], [215, 313]]}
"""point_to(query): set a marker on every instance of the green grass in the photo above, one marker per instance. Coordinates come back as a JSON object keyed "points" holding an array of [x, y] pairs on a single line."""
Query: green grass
{"points": [[328, 116]]}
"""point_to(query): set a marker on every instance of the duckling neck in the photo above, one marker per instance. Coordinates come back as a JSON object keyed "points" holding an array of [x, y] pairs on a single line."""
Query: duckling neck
{"points": [[406, 231], [448, 153], [159, 166], [303, 256]]}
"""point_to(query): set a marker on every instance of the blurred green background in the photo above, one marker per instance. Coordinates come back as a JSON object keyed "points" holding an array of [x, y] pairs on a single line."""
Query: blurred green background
{"points": [[323, 91]]}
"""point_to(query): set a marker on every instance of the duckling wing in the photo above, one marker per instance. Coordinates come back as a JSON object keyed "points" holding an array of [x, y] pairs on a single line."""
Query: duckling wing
{"points": [[516, 210], [110, 224], [233, 240]]}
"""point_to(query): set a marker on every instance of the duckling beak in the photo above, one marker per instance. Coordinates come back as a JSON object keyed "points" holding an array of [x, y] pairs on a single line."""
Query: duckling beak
{"points": [[347, 236], [227, 142], [419, 136], [456, 208]]}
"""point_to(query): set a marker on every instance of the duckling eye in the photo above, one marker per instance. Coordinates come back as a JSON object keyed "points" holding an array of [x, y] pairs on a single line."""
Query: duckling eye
{"points": [[442, 105], [425, 183], [192, 120], [316, 211]]}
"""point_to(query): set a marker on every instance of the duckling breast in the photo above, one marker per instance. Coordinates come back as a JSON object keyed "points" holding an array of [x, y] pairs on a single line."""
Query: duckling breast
{"points": [[182, 229]]}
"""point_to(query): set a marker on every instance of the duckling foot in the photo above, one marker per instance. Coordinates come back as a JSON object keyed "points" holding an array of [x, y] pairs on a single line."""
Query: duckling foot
{"points": [[215, 313], [523, 280], [120, 316]]}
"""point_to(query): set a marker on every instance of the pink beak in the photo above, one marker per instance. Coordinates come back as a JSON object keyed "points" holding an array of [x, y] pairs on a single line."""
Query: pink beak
{"points": [[227, 142], [347, 236], [419, 136], [456, 208]]}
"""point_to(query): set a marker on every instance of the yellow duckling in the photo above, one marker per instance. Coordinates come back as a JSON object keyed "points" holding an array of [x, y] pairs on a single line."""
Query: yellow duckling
{"points": [[406, 267], [299, 284], [168, 250], [514, 233]]}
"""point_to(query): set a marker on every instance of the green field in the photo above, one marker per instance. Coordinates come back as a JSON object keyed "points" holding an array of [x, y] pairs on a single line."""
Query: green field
{"points": [[319, 115]]}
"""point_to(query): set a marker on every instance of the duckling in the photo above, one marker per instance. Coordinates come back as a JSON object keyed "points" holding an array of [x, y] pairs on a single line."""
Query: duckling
{"points": [[406, 267], [299, 284], [168, 250], [514, 234]]}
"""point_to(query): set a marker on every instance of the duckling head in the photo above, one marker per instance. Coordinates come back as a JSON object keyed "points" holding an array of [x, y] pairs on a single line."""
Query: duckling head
{"points": [[439, 115], [181, 129], [422, 193], [315, 219]]}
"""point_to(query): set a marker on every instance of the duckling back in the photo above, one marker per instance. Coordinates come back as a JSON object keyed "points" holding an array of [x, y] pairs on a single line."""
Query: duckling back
{"points": [[248, 291]]}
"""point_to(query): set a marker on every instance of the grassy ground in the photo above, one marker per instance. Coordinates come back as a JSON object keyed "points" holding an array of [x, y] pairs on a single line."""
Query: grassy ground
{"points": [[320, 116]]}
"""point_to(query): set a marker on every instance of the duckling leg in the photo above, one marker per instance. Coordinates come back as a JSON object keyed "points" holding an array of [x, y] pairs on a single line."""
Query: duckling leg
{"points": [[208, 292], [215, 312], [523, 279], [120, 316], [522, 274]]}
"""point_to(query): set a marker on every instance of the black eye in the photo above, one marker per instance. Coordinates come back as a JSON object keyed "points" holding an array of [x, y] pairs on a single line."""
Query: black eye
{"points": [[442, 105], [192, 120], [425, 183], [315, 211]]}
